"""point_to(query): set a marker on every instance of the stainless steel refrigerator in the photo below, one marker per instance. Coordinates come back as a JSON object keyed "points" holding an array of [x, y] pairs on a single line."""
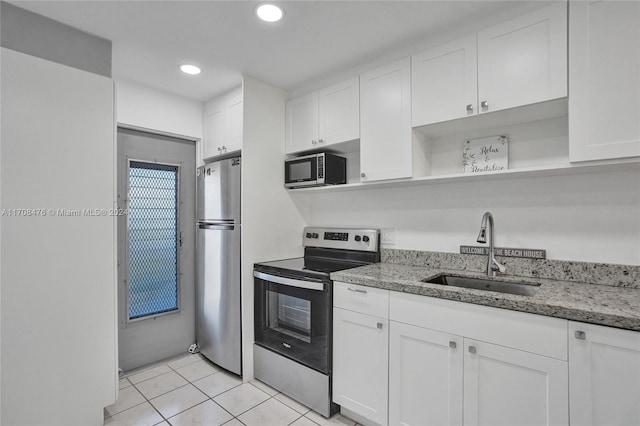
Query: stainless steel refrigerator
{"points": [[218, 320]]}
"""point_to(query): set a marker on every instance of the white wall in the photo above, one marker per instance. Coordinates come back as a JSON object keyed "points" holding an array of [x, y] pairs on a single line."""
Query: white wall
{"points": [[271, 222], [587, 217], [58, 272], [146, 108]]}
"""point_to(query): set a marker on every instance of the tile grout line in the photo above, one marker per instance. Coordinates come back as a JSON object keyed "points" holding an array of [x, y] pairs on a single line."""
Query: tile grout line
{"points": [[209, 398]]}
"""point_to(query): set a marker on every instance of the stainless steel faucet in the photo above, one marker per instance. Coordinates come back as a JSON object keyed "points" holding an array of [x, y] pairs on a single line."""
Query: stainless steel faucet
{"points": [[492, 263]]}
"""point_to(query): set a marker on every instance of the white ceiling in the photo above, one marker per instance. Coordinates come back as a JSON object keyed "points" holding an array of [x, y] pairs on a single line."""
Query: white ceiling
{"points": [[316, 38]]}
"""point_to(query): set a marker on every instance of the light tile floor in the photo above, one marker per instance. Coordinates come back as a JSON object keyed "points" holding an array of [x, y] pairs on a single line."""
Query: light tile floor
{"points": [[190, 390]]}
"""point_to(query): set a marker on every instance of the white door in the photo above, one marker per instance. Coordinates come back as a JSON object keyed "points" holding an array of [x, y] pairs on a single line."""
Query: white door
{"points": [[444, 82], [339, 112], [604, 80], [504, 386], [604, 375], [302, 123], [524, 60], [385, 122], [360, 364], [425, 376], [156, 247]]}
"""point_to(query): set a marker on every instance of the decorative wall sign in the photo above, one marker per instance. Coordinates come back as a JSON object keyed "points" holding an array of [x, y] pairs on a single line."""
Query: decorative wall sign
{"points": [[485, 154], [506, 252]]}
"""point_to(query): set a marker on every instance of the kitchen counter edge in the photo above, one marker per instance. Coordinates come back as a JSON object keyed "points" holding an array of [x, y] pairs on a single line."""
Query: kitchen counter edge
{"points": [[589, 303]]}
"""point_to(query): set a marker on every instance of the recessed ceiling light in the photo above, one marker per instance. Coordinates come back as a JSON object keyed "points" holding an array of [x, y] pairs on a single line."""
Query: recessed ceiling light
{"points": [[189, 69], [269, 12]]}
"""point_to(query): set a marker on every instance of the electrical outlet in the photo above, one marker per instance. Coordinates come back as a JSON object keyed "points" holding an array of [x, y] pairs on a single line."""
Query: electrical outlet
{"points": [[388, 236]]}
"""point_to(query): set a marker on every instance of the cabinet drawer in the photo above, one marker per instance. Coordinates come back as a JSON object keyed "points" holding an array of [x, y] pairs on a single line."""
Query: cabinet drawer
{"points": [[519, 330], [366, 300]]}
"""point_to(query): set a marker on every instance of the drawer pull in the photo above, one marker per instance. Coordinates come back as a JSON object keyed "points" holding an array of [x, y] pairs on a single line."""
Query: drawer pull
{"points": [[357, 290], [580, 335], [452, 344], [472, 349]]}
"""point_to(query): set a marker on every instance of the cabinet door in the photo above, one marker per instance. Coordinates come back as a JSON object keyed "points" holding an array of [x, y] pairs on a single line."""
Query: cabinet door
{"points": [[339, 112], [302, 123], [604, 79], [360, 364], [385, 122], [213, 133], [233, 126], [504, 386], [604, 375], [425, 376], [444, 82], [524, 60]]}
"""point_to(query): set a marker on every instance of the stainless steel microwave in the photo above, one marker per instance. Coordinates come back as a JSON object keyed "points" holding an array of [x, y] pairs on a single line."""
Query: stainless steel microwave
{"points": [[315, 170]]}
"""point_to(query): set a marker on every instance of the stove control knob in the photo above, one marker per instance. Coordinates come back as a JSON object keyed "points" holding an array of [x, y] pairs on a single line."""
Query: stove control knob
{"points": [[309, 235], [365, 239], [357, 238], [314, 235]]}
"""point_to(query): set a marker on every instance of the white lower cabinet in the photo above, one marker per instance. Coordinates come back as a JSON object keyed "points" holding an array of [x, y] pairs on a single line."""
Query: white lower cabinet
{"points": [[439, 362], [425, 376], [504, 386], [361, 350], [453, 363], [360, 364], [604, 375]]}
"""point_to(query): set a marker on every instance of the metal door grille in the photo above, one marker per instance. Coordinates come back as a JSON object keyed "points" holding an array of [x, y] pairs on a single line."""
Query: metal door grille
{"points": [[153, 239]]}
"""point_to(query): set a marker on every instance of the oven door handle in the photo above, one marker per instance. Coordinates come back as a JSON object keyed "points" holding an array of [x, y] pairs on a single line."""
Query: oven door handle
{"points": [[310, 285]]}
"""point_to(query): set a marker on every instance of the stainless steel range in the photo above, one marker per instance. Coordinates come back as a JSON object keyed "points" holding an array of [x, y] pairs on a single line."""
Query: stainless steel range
{"points": [[293, 313]]}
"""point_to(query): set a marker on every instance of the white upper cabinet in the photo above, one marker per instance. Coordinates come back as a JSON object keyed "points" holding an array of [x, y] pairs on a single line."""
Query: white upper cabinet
{"points": [[604, 80], [385, 122], [518, 62], [524, 60], [323, 118], [339, 112], [223, 125], [604, 375], [444, 82], [302, 123]]}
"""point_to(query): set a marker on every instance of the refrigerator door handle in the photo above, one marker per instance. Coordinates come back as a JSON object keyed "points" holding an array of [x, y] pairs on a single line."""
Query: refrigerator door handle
{"points": [[216, 227]]}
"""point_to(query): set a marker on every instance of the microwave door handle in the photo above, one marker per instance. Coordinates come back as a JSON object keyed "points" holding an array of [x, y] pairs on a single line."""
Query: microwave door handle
{"points": [[309, 285]]}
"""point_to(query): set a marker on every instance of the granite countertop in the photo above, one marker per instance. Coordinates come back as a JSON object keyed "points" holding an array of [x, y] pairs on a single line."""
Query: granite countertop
{"points": [[590, 303]]}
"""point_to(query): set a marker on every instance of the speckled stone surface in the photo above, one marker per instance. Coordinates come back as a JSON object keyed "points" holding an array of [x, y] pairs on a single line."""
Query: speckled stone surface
{"points": [[597, 304], [560, 270]]}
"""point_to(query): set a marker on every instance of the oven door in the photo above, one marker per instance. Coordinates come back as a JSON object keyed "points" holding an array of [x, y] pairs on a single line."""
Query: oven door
{"points": [[293, 318]]}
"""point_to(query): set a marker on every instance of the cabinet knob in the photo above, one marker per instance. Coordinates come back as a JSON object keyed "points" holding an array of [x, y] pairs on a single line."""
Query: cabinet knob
{"points": [[313, 141], [219, 149], [469, 107], [484, 104], [580, 335], [452, 344], [320, 140], [363, 174], [379, 325], [472, 349]]}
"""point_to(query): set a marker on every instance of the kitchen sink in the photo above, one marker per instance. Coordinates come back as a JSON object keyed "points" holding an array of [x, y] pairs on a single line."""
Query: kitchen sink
{"points": [[510, 287]]}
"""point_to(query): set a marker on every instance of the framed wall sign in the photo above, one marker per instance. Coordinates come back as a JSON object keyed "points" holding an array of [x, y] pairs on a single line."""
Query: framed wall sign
{"points": [[486, 154]]}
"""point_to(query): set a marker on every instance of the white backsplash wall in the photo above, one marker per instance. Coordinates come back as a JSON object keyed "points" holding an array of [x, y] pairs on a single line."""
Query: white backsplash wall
{"points": [[591, 217]]}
